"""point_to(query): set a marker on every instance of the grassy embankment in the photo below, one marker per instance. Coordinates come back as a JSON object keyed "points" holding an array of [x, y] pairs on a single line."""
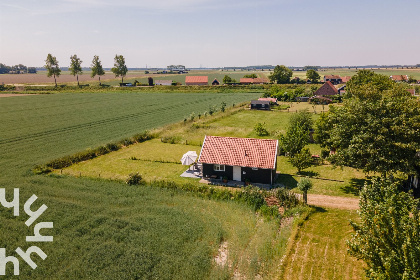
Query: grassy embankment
{"points": [[104, 229]]}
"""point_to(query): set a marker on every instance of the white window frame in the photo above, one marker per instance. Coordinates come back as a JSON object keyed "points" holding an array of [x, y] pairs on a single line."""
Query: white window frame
{"points": [[219, 167]]}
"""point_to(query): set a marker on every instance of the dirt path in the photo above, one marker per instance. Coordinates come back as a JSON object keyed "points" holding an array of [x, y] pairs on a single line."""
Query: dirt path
{"points": [[14, 94], [337, 202]]}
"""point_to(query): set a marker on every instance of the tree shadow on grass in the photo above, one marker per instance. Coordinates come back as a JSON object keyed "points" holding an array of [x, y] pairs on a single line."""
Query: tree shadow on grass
{"points": [[309, 173], [354, 187], [287, 180]]}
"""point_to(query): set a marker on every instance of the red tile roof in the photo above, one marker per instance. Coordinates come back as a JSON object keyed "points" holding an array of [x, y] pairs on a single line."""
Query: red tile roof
{"points": [[244, 152], [196, 79], [399, 77], [345, 79], [274, 100], [332, 77], [326, 89], [412, 91], [246, 80]]}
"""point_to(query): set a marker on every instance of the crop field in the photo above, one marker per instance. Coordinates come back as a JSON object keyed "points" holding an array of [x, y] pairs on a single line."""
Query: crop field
{"points": [[105, 229]]}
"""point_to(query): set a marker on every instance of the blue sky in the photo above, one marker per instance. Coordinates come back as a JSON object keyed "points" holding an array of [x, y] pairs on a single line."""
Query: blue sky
{"points": [[211, 33]]}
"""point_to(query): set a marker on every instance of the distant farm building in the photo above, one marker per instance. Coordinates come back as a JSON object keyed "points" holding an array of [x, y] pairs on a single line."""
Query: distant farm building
{"points": [[334, 79], [239, 159], [177, 68], [196, 80], [269, 99], [215, 82], [399, 78], [163, 82], [345, 79], [326, 89], [260, 105], [255, 81]]}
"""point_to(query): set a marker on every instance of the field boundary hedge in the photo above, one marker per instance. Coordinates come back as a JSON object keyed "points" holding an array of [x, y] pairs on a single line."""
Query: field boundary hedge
{"points": [[69, 160]]}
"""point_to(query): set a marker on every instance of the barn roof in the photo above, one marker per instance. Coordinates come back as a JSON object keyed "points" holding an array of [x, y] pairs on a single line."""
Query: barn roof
{"points": [[335, 77], [326, 89], [345, 79], [244, 152], [399, 77], [270, 99], [196, 79], [246, 80]]}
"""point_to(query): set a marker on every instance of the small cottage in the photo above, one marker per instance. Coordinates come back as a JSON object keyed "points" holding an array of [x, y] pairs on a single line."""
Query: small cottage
{"points": [[239, 159], [197, 80], [260, 105]]}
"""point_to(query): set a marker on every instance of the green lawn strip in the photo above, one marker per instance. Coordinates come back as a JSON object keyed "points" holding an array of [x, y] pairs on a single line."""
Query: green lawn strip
{"points": [[152, 159], [334, 181], [319, 250]]}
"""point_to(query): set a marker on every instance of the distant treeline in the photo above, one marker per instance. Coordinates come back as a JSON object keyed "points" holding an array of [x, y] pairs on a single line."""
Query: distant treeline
{"points": [[16, 69]]}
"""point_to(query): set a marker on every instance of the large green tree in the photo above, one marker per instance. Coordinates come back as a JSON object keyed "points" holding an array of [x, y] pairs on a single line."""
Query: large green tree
{"points": [[119, 69], [377, 131], [387, 237], [75, 67], [281, 75], [313, 76], [294, 140], [97, 68], [368, 79], [51, 64]]}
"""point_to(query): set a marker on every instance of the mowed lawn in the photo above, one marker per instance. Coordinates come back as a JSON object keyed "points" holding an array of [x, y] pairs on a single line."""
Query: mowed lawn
{"points": [[320, 251]]}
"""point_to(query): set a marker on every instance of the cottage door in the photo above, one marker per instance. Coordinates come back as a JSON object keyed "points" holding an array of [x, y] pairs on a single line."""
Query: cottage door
{"points": [[237, 173]]}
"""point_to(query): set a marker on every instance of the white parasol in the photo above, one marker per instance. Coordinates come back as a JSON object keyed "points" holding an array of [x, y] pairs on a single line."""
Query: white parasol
{"points": [[189, 158]]}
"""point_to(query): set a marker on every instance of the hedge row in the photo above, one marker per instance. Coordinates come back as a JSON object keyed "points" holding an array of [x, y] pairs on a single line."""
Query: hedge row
{"points": [[66, 161]]}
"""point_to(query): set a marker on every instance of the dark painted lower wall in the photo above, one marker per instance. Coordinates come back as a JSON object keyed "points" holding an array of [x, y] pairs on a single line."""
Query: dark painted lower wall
{"points": [[262, 176], [209, 171]]}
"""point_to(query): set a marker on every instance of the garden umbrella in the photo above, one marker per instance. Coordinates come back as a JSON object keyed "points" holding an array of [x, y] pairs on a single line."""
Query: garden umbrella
{"points": [[189, 158]]}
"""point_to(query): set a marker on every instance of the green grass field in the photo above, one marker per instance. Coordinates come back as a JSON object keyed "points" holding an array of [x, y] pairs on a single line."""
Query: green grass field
{"points": [[319, 249], [105, 229]]}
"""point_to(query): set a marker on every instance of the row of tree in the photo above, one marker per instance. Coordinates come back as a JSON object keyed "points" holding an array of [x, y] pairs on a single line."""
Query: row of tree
{"points": [[53, 69], [16, 69], [283, 75]]}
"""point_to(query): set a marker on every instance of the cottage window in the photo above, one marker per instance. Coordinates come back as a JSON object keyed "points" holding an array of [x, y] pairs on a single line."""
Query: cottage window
{"points": [[219, 167], [254, 168]]}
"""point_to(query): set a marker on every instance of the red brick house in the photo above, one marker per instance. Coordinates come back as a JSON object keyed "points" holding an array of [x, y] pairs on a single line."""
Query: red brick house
{"points": [[326, 89], [239, 159], [197, 80]]}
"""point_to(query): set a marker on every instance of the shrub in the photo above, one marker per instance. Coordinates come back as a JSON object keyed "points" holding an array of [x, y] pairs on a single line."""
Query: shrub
{"points": [[325, 153], [260, 129], [113, 147], [305, 184], [287, 199], [171, 139], [42, 169], [302, 160], [134, 179]]}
